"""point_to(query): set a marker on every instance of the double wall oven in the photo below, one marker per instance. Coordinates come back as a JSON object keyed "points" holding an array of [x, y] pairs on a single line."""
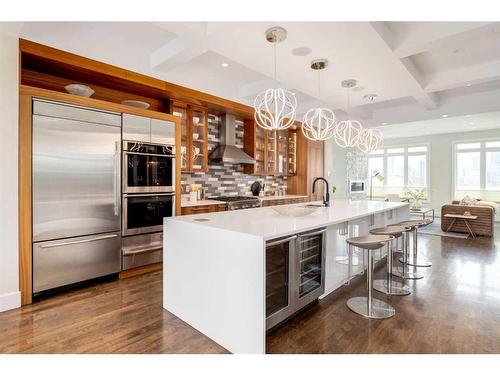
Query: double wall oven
{"points": [[148, 188]]}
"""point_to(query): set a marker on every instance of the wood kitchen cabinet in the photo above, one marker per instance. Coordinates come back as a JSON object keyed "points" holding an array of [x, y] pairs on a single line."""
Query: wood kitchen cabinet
{"points": [[194, 136], [308, 165], [275, 152], [203, 209]]}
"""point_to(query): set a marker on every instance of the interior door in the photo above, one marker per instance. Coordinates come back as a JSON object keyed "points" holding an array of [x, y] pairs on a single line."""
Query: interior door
{"points": [[76, 175]]}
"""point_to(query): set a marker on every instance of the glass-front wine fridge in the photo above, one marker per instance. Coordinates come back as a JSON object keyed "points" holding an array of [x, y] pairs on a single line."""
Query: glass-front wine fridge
{"points": [[295, 274]]}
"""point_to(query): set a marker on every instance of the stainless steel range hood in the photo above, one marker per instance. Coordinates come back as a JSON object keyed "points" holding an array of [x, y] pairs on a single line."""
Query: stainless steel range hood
{"points": [[227, 152]]}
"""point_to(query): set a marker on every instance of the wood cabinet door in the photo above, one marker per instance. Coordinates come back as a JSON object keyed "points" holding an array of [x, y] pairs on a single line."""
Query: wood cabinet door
{"points": [[198, 125], [179, 109]]}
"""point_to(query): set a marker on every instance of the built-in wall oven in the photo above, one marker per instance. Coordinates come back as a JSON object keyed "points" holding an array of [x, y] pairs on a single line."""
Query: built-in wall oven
{"points": [[148, 187], [144, 213], [148, 168], [295, 274]]}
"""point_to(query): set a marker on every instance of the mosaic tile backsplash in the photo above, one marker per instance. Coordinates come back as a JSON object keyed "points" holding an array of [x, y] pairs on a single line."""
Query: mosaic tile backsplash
{"points": [[228, 179]]}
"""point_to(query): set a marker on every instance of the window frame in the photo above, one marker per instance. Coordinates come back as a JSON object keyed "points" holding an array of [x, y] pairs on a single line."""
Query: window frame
{"points": [[405, 154], [482, 163]]}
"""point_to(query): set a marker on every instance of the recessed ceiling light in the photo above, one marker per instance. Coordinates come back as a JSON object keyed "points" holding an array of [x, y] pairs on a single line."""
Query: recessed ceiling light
{"points": [[467, 115], [301, 51], [224, 65], [444, 116], [384, 123], [468, 85]]}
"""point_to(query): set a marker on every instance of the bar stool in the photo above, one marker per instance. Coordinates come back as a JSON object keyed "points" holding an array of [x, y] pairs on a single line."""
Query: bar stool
{"points": [[403, 271], [370, 307], [415, 224], [387, 285]]}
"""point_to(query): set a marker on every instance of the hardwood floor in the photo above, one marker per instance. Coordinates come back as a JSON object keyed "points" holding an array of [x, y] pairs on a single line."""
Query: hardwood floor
{"points": [[454, 309]]}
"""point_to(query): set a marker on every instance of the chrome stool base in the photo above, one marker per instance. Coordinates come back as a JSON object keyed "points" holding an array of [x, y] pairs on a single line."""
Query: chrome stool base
{"points": [[397, 288], [379, 310], [398, 272], [419, 263]]}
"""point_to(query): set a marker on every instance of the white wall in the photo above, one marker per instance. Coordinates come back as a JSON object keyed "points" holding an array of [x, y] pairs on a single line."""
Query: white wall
{"points": [[9, 95]]}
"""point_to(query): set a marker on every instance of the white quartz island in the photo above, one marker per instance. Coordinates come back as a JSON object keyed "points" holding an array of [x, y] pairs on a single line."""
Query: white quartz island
{"points": [[214, 273]]}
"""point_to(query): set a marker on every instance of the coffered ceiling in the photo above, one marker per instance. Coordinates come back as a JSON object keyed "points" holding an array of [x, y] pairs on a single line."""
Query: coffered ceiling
{"points": [[419, 70]]}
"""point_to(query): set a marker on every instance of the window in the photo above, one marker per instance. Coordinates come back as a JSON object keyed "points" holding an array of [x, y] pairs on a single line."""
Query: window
{"points": [[477, 170], [403, 168]]}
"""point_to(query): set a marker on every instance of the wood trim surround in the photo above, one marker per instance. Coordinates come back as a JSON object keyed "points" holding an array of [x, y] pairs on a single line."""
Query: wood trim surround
{"points": [[26, 95], [81, 68], [25, 208], [140, 270]]}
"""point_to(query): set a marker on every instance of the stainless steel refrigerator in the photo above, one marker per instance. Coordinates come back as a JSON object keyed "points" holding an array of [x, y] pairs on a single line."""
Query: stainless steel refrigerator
{"points": [[76, 194]]}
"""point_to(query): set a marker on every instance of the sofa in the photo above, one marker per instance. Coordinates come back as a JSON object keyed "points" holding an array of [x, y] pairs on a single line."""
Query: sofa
{"points": [[482, 226]]}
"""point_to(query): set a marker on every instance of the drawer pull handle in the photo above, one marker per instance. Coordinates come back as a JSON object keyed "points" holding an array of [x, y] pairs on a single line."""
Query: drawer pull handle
{"points": [[47, 246]]}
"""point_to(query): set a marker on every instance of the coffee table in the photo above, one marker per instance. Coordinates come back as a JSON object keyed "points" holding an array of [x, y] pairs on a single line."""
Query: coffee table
{"points": [[423, 212], [465, 218]]}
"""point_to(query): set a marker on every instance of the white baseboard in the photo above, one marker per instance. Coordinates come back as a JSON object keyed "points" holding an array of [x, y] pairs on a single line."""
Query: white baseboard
{"points": [[9, 301]]}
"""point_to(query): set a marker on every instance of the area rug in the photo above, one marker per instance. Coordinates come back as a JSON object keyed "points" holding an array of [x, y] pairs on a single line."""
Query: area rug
{"points": [[434, 229]]}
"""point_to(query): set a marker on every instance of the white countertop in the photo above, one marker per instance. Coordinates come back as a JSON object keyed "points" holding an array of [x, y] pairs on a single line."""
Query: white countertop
{"points": [[266, 223], [276, 197], [205, 202]]}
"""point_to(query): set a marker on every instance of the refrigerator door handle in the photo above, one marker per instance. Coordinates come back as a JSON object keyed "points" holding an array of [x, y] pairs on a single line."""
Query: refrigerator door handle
{"points": [[47, 246], [117, 178]]}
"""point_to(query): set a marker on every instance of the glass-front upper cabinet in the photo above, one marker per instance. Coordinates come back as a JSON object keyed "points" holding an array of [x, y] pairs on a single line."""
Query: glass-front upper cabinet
{"points": [[198, 117], [292, 152], [194, 136], [179, 109], [260, 150], [282, 151], [271, 141]]}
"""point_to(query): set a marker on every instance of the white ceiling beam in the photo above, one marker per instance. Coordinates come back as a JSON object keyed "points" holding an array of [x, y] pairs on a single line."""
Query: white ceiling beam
{"points": [[428, 100], [175, 53], [191, 41], [455, 78], [427, 36]]}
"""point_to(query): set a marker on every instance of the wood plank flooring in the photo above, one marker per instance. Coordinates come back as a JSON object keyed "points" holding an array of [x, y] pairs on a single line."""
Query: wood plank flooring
{"points": [[454, 309]]}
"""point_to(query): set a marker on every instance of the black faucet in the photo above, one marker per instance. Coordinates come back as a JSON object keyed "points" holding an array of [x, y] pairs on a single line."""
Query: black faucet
{"points": [[326, 197]]}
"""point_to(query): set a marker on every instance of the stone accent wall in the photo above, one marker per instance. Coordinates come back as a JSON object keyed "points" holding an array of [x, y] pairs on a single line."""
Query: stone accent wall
{"points": [[228, 179]]}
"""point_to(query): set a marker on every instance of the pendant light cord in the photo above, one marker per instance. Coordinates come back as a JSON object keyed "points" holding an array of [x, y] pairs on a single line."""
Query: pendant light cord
{"points": [[319, 84], [274, 61]]}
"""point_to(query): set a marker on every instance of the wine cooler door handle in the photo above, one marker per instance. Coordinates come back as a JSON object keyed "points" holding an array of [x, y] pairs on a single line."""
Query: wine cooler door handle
{"points": [[279, 242]]}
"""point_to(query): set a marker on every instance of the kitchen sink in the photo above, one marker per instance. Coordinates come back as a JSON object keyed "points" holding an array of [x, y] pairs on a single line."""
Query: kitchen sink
{"points": [[296, 211]]}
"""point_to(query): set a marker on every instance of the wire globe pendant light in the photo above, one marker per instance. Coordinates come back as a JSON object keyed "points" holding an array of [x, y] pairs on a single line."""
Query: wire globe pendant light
{"points": [[370, 140], [319, 123], [275, 108], [348, 132]]}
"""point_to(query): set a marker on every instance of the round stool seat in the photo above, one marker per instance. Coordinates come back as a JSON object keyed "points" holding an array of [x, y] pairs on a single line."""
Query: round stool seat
{"points": [[415, 223], [391, 230], [370, 241]]}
